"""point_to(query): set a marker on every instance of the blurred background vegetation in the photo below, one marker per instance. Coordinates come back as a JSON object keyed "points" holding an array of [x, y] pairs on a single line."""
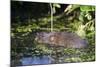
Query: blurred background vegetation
{"points": [[27, 18]]}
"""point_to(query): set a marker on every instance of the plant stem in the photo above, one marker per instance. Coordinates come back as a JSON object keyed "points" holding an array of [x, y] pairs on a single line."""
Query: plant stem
{"points": [[51, 17]]}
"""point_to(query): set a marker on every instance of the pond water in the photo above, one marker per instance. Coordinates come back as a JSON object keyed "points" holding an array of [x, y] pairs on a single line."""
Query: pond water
{"points": [[36, 60]]}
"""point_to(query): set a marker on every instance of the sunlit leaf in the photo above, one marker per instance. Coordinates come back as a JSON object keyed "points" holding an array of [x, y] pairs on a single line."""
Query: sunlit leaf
{"points": [[87, 8], [68, 8], [56, 5], [89, 17]]}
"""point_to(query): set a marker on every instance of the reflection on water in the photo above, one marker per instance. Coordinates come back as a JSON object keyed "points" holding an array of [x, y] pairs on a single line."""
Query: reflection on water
{"points": [[45, 59], [36, 60]]}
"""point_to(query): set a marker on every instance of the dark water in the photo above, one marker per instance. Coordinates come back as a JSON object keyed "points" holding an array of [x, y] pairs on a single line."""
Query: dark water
{"points": [[36, 60]]}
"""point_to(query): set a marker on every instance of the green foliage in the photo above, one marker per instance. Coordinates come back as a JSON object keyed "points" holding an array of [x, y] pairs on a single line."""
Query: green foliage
{"points": [[87, 8], [80, 55], [71, 8], [55, 5]]}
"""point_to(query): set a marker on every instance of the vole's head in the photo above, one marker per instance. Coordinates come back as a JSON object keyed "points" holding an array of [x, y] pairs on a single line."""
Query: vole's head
{"points": [[42, 37]]}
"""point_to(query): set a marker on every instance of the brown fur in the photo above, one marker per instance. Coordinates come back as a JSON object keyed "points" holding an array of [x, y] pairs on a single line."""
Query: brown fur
{"points": [[63, 39]]}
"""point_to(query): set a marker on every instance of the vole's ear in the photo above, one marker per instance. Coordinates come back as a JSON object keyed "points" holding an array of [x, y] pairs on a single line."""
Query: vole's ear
{"points": [[52, 38]]}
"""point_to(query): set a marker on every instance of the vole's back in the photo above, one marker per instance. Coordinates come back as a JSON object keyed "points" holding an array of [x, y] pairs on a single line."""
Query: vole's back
{"points": [[64, 39]]}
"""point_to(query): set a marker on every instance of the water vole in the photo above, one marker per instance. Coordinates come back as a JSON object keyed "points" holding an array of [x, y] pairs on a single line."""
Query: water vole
{"points": [[63, 39]]}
